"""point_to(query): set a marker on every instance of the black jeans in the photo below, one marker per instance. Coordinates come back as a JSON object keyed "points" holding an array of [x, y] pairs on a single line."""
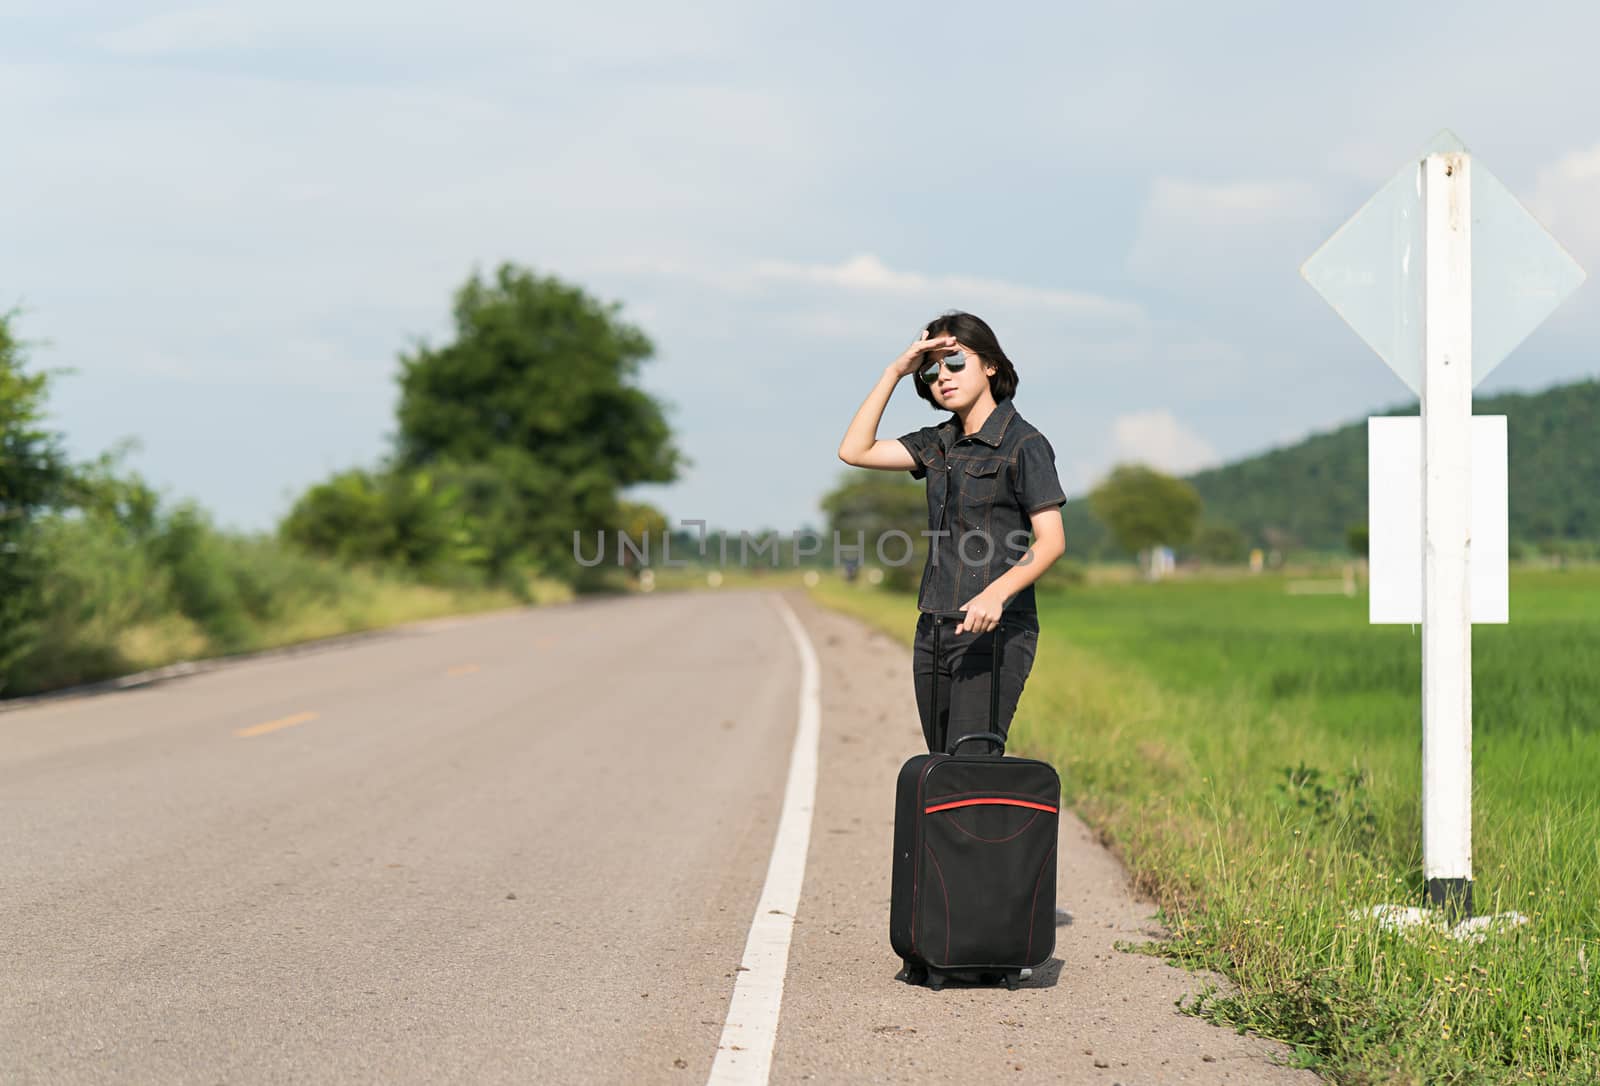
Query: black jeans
{"points": [[963, 677]]}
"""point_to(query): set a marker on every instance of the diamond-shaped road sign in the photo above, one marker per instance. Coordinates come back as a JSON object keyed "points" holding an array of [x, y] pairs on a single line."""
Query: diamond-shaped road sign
{"points": [[1370, 270]]}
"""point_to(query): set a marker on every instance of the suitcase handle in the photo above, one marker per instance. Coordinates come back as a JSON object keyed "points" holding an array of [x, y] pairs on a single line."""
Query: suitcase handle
{"points": [[990, 737], [994, 676]]}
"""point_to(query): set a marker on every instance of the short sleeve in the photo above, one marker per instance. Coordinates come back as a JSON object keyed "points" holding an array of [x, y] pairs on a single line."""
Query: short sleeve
{"points": [[1036, 484], [918, 442]]}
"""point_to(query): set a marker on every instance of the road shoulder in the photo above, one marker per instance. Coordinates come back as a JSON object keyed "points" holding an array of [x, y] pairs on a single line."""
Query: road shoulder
{"points": [[1095, 1015]]}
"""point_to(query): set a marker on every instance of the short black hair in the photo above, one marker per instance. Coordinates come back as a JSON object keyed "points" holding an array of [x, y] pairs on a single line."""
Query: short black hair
{"points": [[972, 332]]}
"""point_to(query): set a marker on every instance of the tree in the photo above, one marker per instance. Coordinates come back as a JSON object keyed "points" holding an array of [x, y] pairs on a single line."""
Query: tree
{"points": [[1357, 538], [1145, 508], [34, 477], [644, 525], [422, 520], [874, 502], [107, 490], [346, 518], [1221, 543], [34, 472], [538, 382]]}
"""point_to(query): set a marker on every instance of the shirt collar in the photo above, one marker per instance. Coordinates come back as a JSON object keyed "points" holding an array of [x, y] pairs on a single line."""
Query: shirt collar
{"points": [[993, 428]]}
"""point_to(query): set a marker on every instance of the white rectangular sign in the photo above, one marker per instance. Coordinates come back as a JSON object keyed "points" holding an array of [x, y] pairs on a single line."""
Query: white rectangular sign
{"points": [[1394, 519]]}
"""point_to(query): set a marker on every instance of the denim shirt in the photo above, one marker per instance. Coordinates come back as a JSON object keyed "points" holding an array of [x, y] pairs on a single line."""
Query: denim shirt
{"points": [[981, 487]]}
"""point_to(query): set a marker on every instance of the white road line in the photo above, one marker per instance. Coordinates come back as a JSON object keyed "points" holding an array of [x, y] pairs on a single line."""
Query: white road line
{"points": [[744, 1054]]}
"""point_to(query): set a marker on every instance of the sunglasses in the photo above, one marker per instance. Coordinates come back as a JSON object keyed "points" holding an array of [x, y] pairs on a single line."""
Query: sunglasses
{"points": [[955, 363]]}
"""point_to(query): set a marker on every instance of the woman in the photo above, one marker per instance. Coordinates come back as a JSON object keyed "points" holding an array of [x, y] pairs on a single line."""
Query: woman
{"points": [[991, 479]]}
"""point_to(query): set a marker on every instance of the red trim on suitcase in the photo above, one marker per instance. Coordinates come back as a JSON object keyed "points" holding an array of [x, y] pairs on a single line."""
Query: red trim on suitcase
{"points": [[1034, 907], [949, 921], [990, 802], [916, 870]]}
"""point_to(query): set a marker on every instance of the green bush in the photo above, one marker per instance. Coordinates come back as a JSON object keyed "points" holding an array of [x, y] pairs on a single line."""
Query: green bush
{"points": [[204, 576], [93, 585]]}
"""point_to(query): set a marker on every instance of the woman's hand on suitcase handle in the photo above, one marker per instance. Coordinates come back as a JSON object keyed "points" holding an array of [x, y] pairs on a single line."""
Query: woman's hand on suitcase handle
{"points": [[983, 612]]}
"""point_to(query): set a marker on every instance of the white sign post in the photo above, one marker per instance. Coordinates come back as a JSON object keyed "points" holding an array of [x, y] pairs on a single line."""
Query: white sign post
{"points": [[1446, 494], [1442, 273]]}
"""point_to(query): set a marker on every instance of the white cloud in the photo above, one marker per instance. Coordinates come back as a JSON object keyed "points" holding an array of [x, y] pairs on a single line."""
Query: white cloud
{"points": [[1563, 201], [1237, 203], [678, 269], [1153, 437], [1209, 236], [867, 273], [1214, 355], [1156, 437], [193, 29], [562, 38]]}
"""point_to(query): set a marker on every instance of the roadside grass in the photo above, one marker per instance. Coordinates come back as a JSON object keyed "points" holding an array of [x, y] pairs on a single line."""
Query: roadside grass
{"points": [[109, 608], [1255, 759]]}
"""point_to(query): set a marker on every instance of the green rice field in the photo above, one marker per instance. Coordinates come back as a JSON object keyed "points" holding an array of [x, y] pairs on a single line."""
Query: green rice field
{"points": [[1255, 758]]}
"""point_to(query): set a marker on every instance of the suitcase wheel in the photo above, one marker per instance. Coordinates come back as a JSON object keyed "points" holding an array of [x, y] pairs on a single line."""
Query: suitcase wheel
{"points": [[935, 980], [1011, 981], [916, 974]]}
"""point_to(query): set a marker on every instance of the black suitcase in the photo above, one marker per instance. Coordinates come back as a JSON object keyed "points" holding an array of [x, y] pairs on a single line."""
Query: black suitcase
{"points": [[973, 892]]}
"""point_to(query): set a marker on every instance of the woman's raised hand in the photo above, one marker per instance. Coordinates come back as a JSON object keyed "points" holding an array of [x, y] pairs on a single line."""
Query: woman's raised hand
{"points": [[912, 358]]}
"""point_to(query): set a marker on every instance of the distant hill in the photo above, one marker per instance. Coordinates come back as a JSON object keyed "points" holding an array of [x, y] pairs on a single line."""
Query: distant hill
{"points": [[1308, 495]]}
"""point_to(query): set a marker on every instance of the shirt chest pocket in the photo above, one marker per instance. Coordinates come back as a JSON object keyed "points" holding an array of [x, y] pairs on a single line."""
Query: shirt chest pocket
{"points": [[979, 483]]}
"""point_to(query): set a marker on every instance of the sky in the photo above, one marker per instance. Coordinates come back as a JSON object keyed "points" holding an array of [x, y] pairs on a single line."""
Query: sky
{"points": [[228, 220]]}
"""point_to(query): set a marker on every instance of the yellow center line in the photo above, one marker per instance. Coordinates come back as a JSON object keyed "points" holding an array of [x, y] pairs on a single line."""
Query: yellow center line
{"points": [[274, 725], [464, 669]]}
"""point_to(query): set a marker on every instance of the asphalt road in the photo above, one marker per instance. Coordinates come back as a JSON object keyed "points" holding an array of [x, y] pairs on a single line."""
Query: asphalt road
{"points": [[517, 848]]}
